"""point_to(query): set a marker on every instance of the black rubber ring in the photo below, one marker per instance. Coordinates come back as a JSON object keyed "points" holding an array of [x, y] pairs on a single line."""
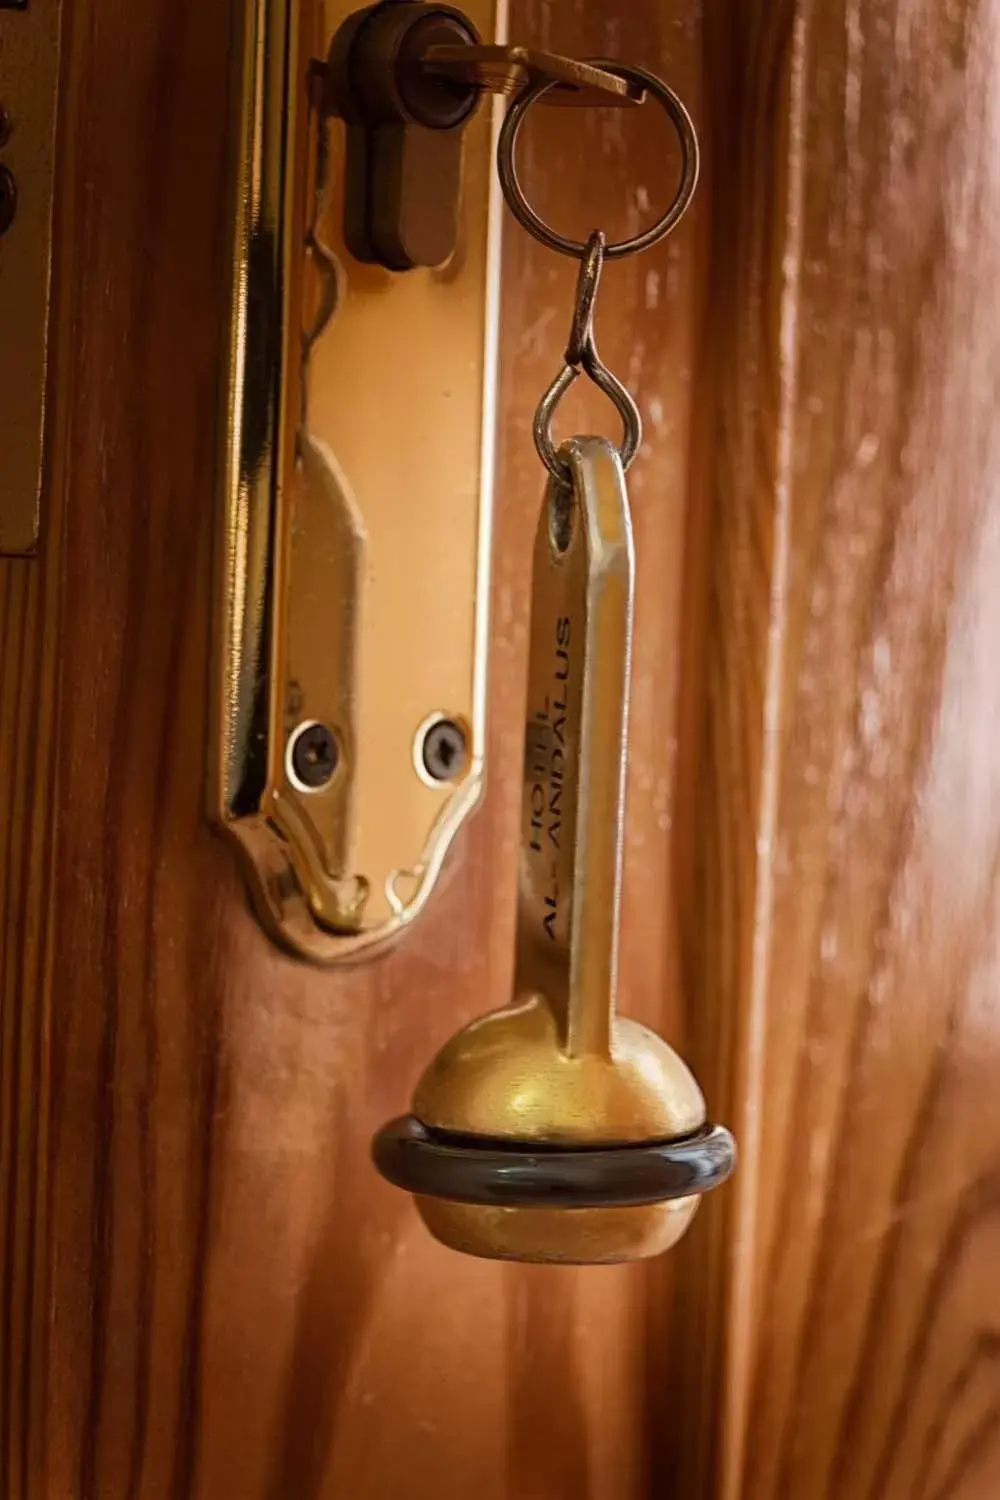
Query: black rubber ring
{"points": [[468, 1169]]}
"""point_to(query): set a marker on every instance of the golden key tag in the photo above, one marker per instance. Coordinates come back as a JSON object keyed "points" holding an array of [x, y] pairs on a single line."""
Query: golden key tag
{"points": [[554, 1129], [572, 821]]}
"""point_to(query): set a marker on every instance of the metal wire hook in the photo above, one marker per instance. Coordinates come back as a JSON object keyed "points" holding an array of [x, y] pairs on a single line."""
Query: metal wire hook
{"points": [[581, 336], [582, 358]]}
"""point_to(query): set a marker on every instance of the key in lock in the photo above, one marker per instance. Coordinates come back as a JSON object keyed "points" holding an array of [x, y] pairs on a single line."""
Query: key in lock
{"points": [[554, 1129]]}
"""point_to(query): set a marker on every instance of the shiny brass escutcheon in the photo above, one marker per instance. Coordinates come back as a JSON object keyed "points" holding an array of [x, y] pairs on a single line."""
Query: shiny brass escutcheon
{"points": [[354, 534]]}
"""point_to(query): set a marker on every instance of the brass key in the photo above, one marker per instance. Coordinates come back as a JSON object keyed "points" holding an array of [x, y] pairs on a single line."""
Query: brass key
{"points": [[508, 70]]}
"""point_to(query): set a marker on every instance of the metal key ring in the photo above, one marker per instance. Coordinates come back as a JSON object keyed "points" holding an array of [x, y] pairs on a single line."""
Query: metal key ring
{"points": [[535, 225]]}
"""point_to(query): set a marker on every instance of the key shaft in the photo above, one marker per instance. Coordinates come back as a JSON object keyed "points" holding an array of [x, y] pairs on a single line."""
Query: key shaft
{"points": [[509, 70]]}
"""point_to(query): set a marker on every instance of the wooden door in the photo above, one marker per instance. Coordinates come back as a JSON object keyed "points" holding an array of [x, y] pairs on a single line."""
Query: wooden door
{"points": [[206, 1290]]}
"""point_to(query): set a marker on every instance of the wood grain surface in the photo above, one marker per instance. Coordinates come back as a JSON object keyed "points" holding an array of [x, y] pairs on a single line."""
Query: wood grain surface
{"points": [[867, 1290], [207, 1294], [841, 771]]}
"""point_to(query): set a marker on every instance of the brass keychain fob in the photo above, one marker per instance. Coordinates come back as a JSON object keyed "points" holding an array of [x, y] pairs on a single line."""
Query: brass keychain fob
{"points": [[554, 1129]]}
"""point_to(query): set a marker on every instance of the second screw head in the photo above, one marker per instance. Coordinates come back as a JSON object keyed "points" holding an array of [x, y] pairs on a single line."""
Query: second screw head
{"points": [[445, 750], [313, 756]]}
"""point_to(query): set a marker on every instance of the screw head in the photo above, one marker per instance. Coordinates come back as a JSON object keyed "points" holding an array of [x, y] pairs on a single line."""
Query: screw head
{"points": [[8, 199], [445, 750], [313, 756]]}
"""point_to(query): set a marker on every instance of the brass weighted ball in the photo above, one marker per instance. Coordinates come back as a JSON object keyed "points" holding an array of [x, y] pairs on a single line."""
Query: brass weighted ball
{"points": [[508, 1075], [505, 1114]]}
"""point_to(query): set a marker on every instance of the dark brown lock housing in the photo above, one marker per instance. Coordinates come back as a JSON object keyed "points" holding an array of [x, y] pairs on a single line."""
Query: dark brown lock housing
{"points": [[404, 131]]}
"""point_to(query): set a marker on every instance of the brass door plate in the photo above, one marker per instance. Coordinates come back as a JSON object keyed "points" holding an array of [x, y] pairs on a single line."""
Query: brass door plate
{"points": [[354, 548], [29, 73]]}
